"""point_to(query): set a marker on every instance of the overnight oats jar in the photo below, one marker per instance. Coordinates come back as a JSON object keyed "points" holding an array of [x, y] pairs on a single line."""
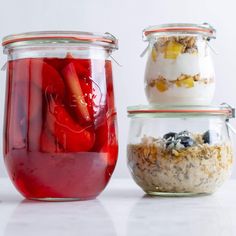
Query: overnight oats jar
{"points": [[60, 134], [180, 150], [179, 67]]}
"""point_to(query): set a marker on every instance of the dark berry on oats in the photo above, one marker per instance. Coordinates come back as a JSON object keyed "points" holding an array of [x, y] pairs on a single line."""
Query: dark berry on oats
{"points": [[186, 141], [184, 133], [210, 136], [170, 135]]}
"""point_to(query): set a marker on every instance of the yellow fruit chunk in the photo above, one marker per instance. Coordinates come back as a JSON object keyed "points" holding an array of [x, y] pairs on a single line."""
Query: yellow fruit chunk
{"points": [[154, 54], [178, 83], [172, 50], [162, 85], [187, 82]]}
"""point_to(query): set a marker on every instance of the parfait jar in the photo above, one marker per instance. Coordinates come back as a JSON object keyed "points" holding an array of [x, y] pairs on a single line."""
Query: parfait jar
{"points": [[60, 135], [179, 69]]}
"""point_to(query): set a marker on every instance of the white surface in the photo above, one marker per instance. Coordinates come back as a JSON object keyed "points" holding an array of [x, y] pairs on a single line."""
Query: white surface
{"points": [[122, 210], [126, 19]]}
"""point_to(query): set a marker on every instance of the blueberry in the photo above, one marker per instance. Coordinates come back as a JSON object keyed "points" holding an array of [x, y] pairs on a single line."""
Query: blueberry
{"points": [[184, 134], [169, 144], [170, 135], [210, 136], [186, 141]]}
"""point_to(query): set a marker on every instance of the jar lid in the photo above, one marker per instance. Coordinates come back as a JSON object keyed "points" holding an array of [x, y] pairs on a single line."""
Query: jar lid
{"points": [[164, 111], [60, 37], [184, 28]]}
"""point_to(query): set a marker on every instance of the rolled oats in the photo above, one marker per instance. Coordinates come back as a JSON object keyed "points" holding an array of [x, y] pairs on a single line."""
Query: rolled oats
{"points": [[201, 168]]}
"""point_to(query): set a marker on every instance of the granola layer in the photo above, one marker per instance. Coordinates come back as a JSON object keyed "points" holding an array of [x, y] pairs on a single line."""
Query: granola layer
{"points": [[184, 81], [174, 45]]}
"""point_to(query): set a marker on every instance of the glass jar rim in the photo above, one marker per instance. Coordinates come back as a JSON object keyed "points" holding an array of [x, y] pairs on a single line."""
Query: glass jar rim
{"points": [[186, 110], [60, 37], [204, 29]]}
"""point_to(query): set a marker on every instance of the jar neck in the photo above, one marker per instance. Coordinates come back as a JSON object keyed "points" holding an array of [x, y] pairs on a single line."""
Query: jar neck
{"points": [[157, 36], [58, 51]]}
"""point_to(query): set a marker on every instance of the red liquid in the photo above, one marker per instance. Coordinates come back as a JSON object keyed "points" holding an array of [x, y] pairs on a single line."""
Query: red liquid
{"points": [[60, 127]]}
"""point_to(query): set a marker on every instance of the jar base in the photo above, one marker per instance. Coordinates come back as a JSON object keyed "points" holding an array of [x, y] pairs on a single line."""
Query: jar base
{"points": [[51, 199], [172, 194]]}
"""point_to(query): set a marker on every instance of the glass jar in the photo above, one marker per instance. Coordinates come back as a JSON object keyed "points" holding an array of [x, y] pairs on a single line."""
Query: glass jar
{"points": [[179, 67], [183, 150], [60, 138]]}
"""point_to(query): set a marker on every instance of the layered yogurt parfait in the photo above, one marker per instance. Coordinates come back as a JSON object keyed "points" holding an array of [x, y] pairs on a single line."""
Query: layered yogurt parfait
{"points": [[179, 68]]}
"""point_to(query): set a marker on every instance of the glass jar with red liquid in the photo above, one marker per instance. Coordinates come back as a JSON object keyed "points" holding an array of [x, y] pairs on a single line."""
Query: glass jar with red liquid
{"points": [[60, 134]]}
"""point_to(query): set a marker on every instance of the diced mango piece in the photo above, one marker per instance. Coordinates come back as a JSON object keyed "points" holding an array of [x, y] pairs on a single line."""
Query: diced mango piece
{"points": [[178, 83], [154, 54], [162, 85], [188, 82], [172, 50]]}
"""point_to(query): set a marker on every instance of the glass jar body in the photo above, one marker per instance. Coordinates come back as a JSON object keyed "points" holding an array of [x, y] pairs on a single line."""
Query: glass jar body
{"points": [[179, 156], [179, 70], [60, 138]]}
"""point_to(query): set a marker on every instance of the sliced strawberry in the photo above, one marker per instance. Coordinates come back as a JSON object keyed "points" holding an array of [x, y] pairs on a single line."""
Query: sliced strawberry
{"points": [[76, 93], [19, 69], [101, 129], [83, 68], [106, 139], [26, 105], [101, 136], [27, 114], [71, 136], [48, 143], [56, 63], [29, 98], [46, 77], [112, 147], [110, 89], [72, 101], [18, 127], [34, 111]]}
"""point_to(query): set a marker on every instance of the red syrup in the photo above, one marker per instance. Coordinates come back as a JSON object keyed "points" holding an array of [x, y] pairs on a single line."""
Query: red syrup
{"points": [[60, 137]]}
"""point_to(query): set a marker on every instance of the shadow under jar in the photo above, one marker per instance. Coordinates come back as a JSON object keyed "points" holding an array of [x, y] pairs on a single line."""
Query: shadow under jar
{"points": [[60, 137], [178, 151], [179, 68]]}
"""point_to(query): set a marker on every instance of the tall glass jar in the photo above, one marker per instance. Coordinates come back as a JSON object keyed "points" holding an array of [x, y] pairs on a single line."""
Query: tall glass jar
{"points": [[179, 67], [60, 137], [179, 150]]}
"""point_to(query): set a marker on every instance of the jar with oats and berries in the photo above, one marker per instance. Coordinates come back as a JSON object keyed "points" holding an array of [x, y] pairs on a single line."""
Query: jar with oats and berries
{"points": [[180, 150], [179, 69]]}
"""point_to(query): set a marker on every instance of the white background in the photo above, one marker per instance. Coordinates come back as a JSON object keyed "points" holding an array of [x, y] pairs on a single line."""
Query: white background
{"points": [[126, 19]]}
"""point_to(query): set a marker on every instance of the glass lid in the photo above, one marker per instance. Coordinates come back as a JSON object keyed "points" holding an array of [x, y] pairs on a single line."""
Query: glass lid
{"points": [[161, 110], [60, 37]]}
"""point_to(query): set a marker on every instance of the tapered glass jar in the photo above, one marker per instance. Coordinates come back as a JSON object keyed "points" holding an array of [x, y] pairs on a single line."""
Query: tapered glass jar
{"points": [[60, 137], [179, 68]]}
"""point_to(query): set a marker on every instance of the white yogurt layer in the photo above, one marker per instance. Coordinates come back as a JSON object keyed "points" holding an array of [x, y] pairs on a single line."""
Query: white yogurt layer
{"points": [[187, 63], [200, 94]]}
